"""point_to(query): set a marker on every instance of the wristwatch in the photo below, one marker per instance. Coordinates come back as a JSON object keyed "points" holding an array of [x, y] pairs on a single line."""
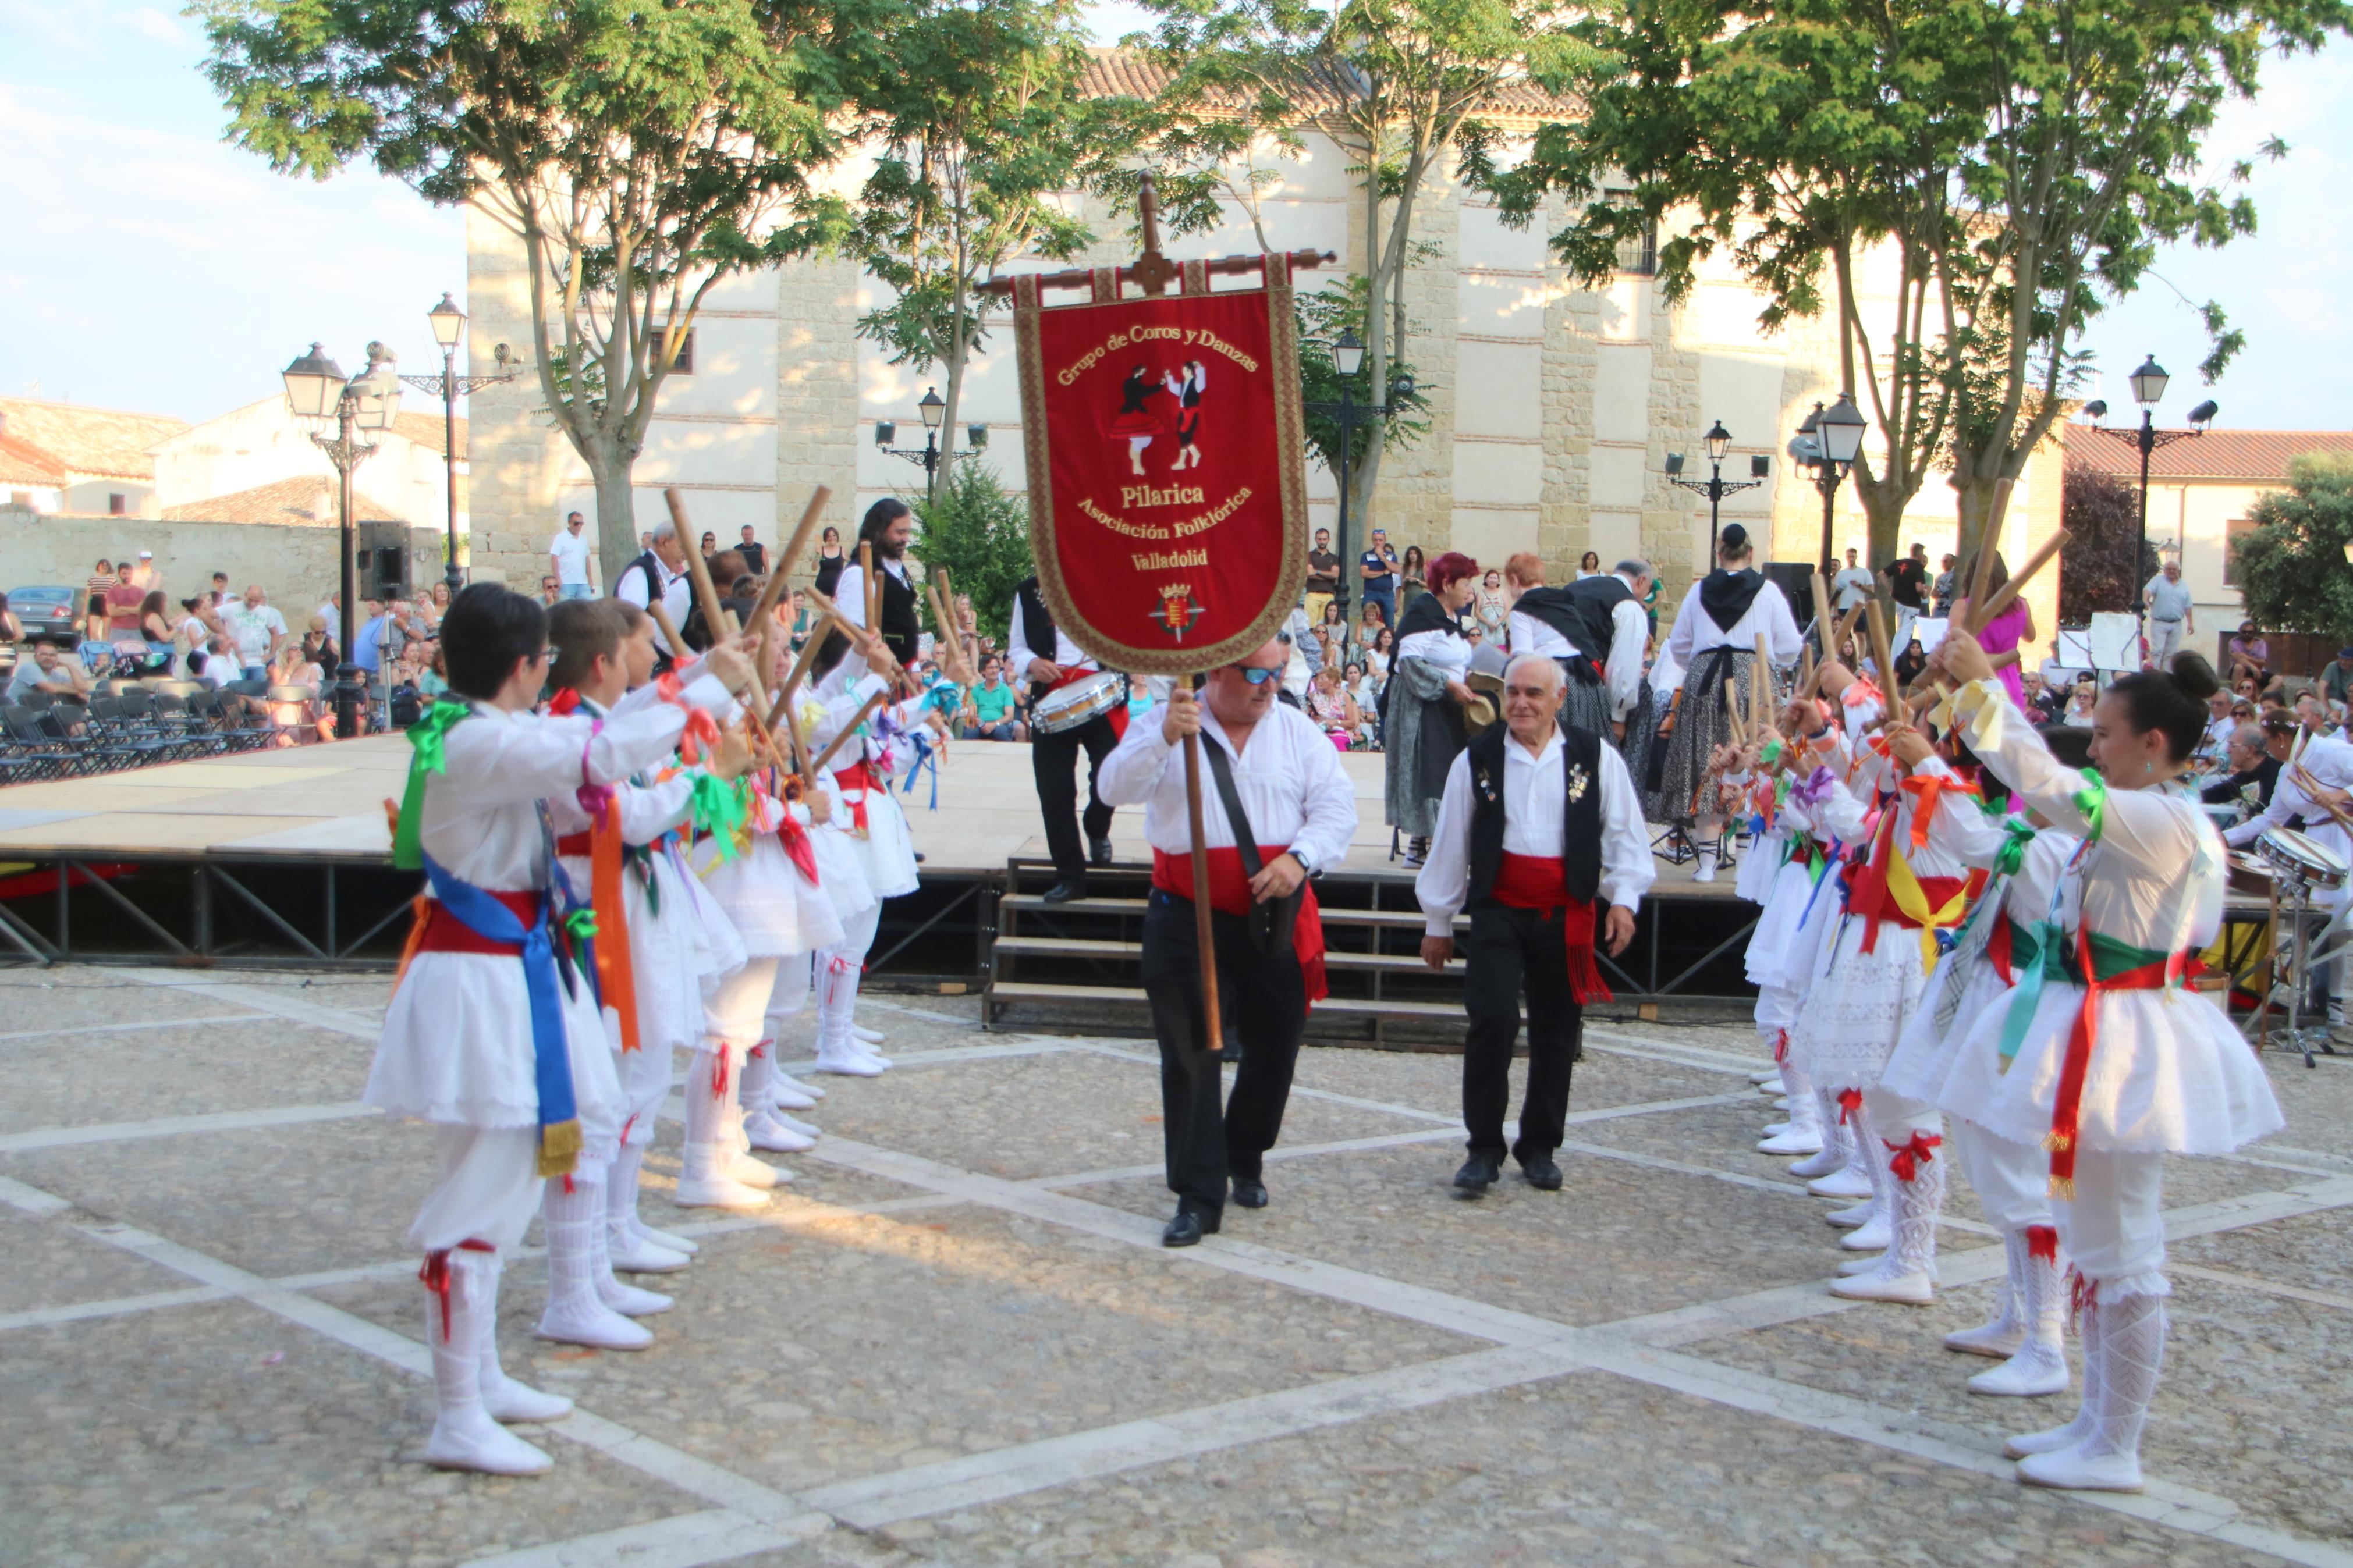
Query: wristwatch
{"points": [[1307, 861]]}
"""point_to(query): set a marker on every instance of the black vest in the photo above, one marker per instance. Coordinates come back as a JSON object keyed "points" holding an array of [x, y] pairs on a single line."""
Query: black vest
{"points": [[900, 628], [1580, 842], [1581, 613], [1038, 628]]}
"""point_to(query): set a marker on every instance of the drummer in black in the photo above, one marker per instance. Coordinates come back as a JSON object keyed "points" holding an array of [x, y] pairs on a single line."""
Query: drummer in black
{"points": [[1037, 650]]}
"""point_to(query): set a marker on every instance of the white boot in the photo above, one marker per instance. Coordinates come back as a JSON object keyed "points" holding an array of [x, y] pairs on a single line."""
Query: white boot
{"points": [[1760, 1078], [768, 1129], [502, 1396], [785, 1119], [1906, 1273], [740, 1165], [837, 992], [1837, 1143], [702, 1178], [627, 1299], [576, 1314], [1862, 1214], [1803, 1133], [2002, 1336], [789, 1088], [1852, 1180], [624, 1248], [858, 1031], [1878, 1231], [2088, 1328], [2040, 1365], [460, 1304], [761, 1129], [2132, 1354]]}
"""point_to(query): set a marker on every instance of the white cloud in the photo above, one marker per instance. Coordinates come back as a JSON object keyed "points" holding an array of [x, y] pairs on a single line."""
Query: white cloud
{"points": [[150, 23]]}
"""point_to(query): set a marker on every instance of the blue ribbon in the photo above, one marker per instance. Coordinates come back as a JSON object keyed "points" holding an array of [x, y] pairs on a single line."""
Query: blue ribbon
{"points": [[491, 921], [923, 754]]}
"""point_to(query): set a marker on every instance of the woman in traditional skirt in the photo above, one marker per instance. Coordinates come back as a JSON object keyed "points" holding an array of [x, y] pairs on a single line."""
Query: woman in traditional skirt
{"points": [[1421, 706], [2120, 1065], [1714, 641]]}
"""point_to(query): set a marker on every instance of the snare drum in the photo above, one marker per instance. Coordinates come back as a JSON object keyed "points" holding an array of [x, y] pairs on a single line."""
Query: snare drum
{"points": [[1067, 707], [2300, 858], [2250, 875]]}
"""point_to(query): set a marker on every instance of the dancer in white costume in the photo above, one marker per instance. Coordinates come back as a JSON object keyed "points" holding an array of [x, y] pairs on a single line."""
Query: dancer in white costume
{"points": [[492, 1035], [2111, 1082], [764, 873], [2011, 948]]}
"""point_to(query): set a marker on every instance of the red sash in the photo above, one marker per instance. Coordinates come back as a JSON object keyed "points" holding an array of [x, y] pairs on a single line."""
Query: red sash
{"points": [[2066, 1110], [1541, 882], [855, 777], [441, 931], [1229, 894]]}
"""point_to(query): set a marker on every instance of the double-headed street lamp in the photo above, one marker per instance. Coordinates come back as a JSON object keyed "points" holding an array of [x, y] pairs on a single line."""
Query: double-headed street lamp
{"points": [[364, 405], [927, 456], [1719, 442], [2149, 386], [1826, 446], [449, 324], [1348, 358]]}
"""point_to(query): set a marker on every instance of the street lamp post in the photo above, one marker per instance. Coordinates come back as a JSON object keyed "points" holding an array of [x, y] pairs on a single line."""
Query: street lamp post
{"points": [[928, 457], [1348, 358], [317, 392], [1826, 445], [449, 324], [1719, 444], [2148, 384]]}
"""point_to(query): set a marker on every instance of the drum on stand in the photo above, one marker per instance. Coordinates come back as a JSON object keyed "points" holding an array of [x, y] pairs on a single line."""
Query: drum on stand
{"points": [[1067, 707], [2300, 866]]}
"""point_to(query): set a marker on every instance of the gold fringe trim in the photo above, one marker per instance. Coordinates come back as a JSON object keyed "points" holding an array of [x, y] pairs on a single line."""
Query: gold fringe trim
{"points": [[2064, 1188], [559, 1147], [2058, 1142]]}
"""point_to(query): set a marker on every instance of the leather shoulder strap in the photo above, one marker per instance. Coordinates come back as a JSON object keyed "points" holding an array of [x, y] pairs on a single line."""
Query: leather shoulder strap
{"points": [[1222, 772]]}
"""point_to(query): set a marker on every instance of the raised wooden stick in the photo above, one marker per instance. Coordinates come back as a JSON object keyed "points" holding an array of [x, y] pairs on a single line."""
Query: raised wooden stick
{"points": [[1889, 690], [848, 730], [669, 635], [869, 643], [715, 618], [679, 652], [872, 585], [2018, 580], [1732, 712], [1825, 616], [810, 516], [951, 646], [1760, 685], [1989, 541]]}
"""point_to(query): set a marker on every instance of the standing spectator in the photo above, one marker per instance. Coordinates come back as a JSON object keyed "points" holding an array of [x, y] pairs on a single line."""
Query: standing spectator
{"points": [[1907, 585], [433, 606], [802, 618], [830, 559], [990, 711], [333, 608], [221, 596], [123, 597], [1851, 586], [658, 577], [95, 590], [2171, 615], [754, 553], [570, 562], [143, 575], [367, 642], [1944, 589], [1323, 575], [255, 629], [1378, 568], [710, 546], [1588, 565], [1492, 608]]}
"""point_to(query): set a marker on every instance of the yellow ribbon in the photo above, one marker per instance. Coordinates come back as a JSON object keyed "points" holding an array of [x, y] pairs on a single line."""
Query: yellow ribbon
{"points": [[1912, 899]]}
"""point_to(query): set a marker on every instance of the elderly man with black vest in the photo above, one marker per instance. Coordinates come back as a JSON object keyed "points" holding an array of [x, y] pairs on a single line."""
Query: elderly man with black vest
{"points": [[1595, 630], [1276, 809], [1540, 838], [889, 528], [1042, 653]]}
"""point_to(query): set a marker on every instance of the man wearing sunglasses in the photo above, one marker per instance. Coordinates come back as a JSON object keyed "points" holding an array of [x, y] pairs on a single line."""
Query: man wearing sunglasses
{"points": [[1298, 813]]}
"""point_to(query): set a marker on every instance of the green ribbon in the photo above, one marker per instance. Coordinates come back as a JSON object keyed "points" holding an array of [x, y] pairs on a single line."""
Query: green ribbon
{"points": [[2091, 800], [2111, 957], [1769, 753], [720, 807], [429, 741], [2012, 853], [2038, 953], [580, 925]]}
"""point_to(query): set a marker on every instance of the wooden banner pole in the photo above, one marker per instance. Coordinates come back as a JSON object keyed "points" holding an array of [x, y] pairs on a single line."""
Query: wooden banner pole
{"points": [[1205, 936]]}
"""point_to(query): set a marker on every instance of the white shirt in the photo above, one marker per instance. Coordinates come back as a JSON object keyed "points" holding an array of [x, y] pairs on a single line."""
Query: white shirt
{"points": [[1443, 648], [1695, 632], [570, 554], [850, 592], [2330, 764], [677, 594], [1287, 775], [1851, 587], [254, 629], [1533, 813], [1021, 652], [2167, 601], [1630, 635]]}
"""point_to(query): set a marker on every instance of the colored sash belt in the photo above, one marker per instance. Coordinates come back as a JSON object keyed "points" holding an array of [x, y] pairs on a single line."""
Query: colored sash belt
{"points": [[1541, 882], [2103, 964], [855, 777], [1229, 894]]}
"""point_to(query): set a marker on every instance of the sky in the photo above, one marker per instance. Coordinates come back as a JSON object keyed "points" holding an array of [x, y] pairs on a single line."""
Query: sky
{"points": [[152, 266]]}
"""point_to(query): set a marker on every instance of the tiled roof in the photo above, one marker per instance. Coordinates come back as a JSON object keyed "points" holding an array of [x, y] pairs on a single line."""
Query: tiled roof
{"points": [[1123, 73], [425, 429], [22, 463], [2259, 457], [304, 498], [104, 443]]}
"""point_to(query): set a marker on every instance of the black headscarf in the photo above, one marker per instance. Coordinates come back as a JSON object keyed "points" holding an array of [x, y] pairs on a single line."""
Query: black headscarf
{"points": [[1726, 595], [1427, 614]]}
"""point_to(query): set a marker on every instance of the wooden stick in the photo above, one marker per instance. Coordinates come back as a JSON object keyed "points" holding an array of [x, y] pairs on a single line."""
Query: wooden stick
{"points": [[1760, 685], [1988, 541], [1825, 616], [810, 515], [705, 595], [848, 730], [1732, 712], [951, 646], [679, 652], [1879, 654], [868, 643], [873, 588], [2018, 581]]}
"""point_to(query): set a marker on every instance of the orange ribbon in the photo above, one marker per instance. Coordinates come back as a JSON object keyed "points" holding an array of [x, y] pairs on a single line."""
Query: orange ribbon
{"points": [[616, 980], [1927, 789]]}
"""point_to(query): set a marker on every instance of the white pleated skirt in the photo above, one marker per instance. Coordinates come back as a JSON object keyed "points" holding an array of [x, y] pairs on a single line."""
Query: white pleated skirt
{"points": [[775, 909]]}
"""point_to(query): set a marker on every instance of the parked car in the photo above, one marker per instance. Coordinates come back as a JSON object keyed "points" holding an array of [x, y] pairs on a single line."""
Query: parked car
{"points": [[48, 614]]}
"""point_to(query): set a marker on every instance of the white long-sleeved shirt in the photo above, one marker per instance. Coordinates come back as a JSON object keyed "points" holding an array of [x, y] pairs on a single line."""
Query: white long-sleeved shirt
{"points": [[1287, 775], [1535, 807], [2330, 764], [1630, 635], [1696, 632], [677, 595], [1021, 651], [850, 593]]}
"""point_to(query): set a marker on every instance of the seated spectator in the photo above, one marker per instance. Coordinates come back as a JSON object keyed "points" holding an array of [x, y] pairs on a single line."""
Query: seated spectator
{"points": [[2253, 772], [2250, 654], [2045, 704], [319, 646], [2080, 704], [1329, 704], [992, 711], [292, 668], [50, 671]]}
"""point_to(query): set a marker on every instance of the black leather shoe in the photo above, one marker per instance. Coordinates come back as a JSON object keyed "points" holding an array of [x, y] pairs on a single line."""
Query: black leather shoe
{"points": [[1068, 888], [1188, 1228], [1099, 852], [1479, 1173], [1540, 1172], [1249, 1195]]}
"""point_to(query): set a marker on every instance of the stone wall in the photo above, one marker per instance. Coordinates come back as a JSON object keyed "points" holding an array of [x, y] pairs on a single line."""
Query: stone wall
{"points": [[297, 564]]}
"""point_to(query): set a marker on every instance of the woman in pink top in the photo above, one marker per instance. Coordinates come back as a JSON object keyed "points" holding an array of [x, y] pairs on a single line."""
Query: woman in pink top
{"points": [[2007, 631]]}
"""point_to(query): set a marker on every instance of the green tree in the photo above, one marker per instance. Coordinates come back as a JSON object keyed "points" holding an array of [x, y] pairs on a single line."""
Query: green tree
{"points": [[982, 536], [638, 154], [1324, 314], [2291, 565], [982, 128], [1398, 85]]}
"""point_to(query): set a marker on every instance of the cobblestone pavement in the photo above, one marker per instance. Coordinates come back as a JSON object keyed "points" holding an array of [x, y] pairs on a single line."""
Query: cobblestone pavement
{"points": [[955, 1339]]}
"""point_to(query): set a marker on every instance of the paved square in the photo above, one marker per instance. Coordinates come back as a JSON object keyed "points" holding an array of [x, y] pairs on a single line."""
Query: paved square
{"points": [[955, 1338]]}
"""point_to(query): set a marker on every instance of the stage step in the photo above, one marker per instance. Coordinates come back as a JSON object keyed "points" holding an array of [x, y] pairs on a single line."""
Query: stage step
{"points": [[1008, 990], [1088, 947], [1385, 919]]}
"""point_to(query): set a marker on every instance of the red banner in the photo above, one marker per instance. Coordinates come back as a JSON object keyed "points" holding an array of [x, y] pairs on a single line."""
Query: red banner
{"points": [[1167, 490]]}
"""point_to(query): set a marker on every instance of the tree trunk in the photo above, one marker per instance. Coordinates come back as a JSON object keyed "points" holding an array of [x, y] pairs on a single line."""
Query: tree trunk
{"points": [[616, 518]]}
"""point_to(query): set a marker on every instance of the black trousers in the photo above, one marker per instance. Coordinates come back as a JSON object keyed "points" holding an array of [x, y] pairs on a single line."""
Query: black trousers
{"points": [[1263, 998], [1508, 950], [1054, 762]]}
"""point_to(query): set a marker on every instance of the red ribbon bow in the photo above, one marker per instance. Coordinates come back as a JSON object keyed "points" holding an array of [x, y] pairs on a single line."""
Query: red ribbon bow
{"points": [[1849, 1102], [2043, 1241], [1910, 1157], [435, 1275]]}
